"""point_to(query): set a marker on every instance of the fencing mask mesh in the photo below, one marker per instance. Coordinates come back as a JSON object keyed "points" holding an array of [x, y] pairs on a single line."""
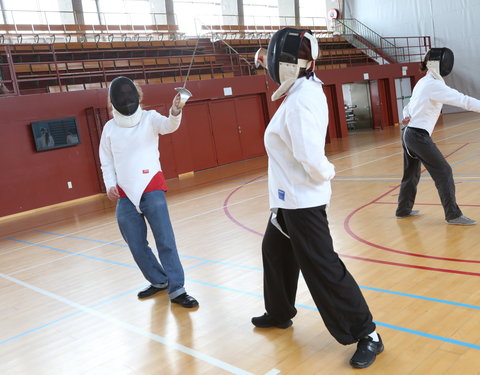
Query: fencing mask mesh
{"points": [[282, 61], [124, 96], [442, 59]]}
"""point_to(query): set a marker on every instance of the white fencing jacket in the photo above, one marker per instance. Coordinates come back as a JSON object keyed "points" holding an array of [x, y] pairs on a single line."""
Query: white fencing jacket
{"points": [[299, 173], [428, 97], [129, 155]]}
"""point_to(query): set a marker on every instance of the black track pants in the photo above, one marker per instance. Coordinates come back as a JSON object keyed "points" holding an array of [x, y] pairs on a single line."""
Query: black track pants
{"points": [[310, 249], [418, 148]]}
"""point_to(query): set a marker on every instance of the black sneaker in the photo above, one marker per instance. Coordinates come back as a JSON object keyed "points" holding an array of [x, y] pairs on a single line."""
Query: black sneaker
{"points": [[150, 291], [267, 321], [185, 300], [367, 351]]}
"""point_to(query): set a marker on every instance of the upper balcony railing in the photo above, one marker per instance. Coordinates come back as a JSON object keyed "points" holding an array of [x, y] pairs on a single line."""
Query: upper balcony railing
{"points": [[20, 26], [390, 49]]}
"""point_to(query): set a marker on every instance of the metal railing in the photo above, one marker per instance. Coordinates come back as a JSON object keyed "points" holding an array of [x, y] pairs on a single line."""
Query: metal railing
{"points": [[384, 50], [43, 68]]}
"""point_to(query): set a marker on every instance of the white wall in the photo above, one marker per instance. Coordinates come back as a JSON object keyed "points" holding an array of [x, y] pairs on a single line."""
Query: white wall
{"points": [[450, 23]]}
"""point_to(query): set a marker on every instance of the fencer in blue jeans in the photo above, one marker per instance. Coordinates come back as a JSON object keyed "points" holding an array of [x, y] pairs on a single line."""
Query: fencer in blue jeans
{"points": [[132, 173], [134, 231]]}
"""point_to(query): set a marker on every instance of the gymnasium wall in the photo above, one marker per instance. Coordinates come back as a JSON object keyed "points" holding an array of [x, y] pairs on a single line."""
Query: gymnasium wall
{"points": [[452, 24], [206, 138], [33, 179]]}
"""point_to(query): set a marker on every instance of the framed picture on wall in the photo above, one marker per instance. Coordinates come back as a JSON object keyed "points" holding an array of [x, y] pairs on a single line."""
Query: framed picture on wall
{"points": [[58, 133]]}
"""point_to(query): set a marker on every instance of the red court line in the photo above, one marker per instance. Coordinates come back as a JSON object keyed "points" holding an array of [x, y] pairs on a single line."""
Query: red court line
{"points": [[348, 229], [411, 265], [229, 215], [406, 265], [431, 204]]}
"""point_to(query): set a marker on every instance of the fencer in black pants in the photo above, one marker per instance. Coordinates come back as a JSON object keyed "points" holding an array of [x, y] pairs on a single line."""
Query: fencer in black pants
{"points": [[309, 249], [299, 174], [421, 115], [419, 148]]}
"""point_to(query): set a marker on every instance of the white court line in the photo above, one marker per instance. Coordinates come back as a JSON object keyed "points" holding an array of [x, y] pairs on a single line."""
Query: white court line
{"points": [[130, 327], [114, 222], [401, 153], [55, 238], [262, 195], [273, 372], [373, 179], [161, 339], [117, 240], [399, 141], [249, 199], [57, 259]]}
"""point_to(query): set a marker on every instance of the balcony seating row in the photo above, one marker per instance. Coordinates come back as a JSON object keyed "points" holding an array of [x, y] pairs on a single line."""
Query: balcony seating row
{"points": [[66, 32], [154, 80]]}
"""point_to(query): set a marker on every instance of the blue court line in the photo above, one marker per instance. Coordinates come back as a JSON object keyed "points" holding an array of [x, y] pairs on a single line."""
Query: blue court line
{"points": [[423, 177], [46, 325], [429, 335], [98, 304], [197, 265], [467, 159], [206, 261], [81, 238], [391, 326], [312, 308], [458, 162], [422, 297], [397, 175], [74, 253], [39, 328], [182, 256]]}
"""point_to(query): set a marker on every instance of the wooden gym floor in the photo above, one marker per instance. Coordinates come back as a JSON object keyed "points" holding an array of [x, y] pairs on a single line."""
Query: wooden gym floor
{"points": [[68, 283]]}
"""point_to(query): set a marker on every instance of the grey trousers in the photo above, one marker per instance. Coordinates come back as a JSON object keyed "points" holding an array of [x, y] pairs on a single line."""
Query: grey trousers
{"points": [[418, 148]]}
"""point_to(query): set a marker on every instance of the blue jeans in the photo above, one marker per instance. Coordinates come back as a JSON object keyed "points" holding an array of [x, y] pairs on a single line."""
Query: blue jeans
{"points": [[134, 231]]}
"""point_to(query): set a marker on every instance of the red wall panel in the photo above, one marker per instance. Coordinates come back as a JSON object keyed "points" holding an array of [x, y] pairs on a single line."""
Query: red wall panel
{"points": [[196, 121], [252, 123], [225, 131], [376, 104], [31, 180]]}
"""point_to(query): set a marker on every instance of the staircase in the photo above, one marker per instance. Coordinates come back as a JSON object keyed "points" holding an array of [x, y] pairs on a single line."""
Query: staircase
{"points": [[382, 50]]}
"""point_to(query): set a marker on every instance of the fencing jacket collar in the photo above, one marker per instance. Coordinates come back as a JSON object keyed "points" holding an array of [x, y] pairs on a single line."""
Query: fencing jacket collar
{"points": [[434, 69], [127, 121]]}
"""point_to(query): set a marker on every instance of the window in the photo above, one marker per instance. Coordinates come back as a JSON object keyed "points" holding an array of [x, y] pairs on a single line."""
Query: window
{"points": [[191, 14], [261, 12], [38, 12], [313, 13], [118, 12]]}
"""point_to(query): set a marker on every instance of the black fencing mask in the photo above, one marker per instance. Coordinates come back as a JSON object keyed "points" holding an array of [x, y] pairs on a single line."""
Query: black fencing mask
{"points": [[281, 58], [282, 53], [124, 96], [441, 60]]}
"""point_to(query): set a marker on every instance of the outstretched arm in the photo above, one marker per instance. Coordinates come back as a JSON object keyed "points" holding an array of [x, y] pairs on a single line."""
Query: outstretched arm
{"points": [[447, 95]]}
